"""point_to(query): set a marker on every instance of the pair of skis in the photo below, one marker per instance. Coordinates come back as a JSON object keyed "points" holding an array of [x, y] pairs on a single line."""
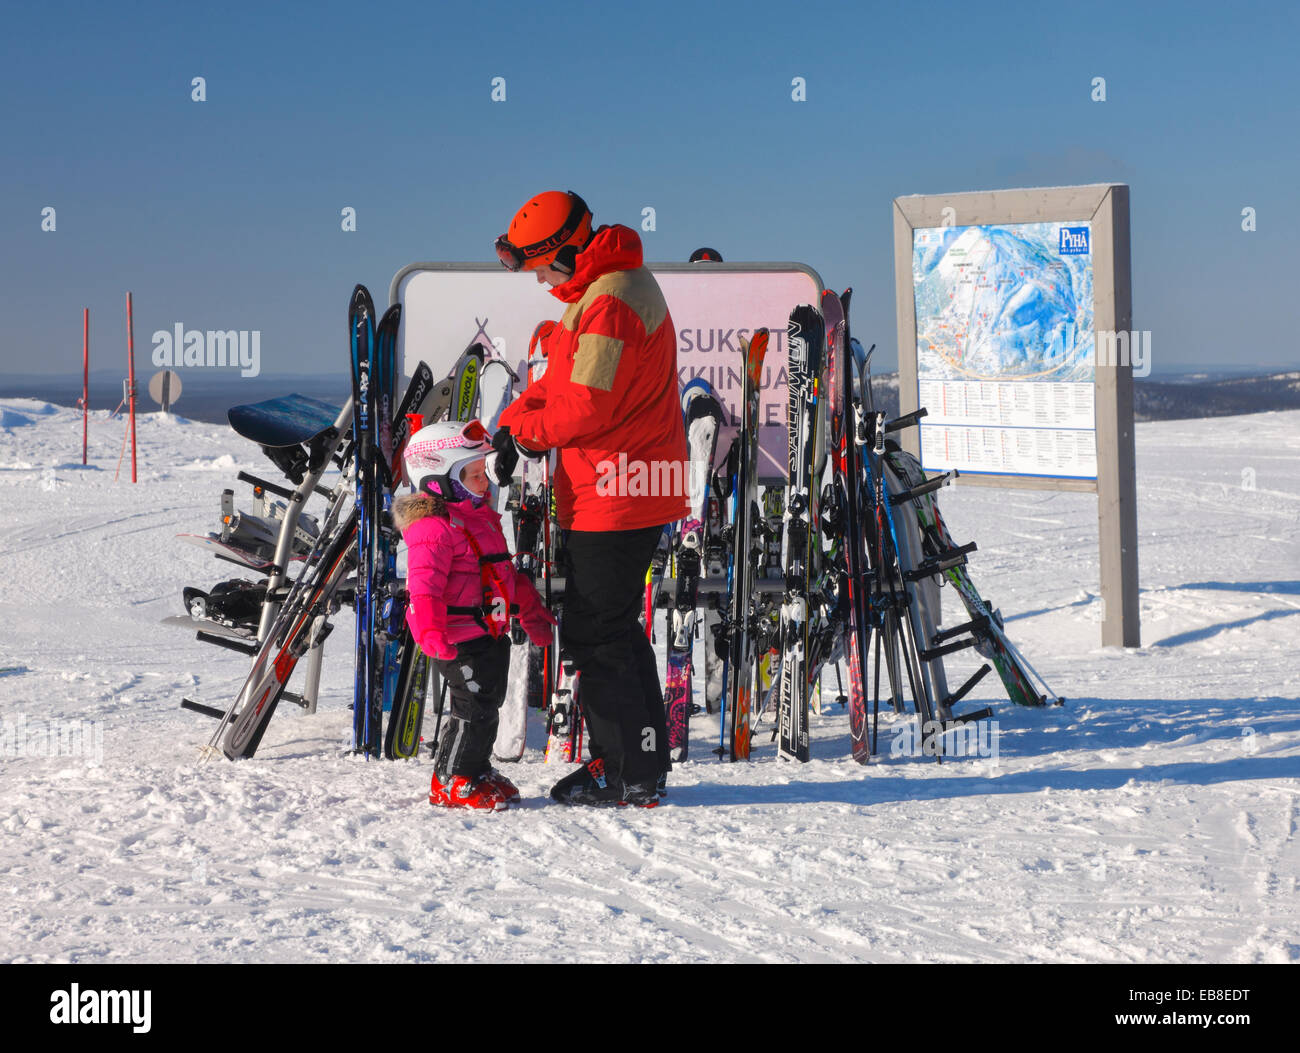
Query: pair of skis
{"points": [[806, 340], [747, 549], [703, 417], [373, 346]]}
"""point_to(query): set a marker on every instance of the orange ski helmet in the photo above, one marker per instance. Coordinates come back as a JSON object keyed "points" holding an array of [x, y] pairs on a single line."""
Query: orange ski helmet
{"points": [[551, 228]]}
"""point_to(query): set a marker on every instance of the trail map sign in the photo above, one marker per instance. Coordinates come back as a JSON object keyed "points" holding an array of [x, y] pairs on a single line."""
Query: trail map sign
{"points": [[1014, 332], [1005, 348]]}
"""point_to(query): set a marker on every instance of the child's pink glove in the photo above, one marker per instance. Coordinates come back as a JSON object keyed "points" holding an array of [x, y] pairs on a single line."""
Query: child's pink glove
{"points": [[435, 645], [427, 618], [538, 623]]}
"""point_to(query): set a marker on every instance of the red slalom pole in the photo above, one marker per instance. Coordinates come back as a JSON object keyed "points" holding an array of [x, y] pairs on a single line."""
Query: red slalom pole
{"points": [[130, 376], [85, 378]]}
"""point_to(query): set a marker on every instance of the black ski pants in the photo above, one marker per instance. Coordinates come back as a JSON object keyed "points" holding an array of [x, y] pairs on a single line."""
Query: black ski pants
{"points": [[476, 686], [600, 629]]}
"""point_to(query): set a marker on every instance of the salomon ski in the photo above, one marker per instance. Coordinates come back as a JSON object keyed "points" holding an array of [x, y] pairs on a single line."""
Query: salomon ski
{"points": [[806, 340]]}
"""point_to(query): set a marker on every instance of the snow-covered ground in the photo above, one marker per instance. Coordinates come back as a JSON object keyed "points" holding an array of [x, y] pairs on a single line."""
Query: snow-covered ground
{"points": [[1151, 819]]}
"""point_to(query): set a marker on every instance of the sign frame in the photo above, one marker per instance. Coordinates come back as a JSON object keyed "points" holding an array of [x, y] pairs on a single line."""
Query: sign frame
{"points": [[1106, 207]]}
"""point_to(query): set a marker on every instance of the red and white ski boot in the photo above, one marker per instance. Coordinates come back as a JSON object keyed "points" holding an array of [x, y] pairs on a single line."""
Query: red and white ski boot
{"points": [[464, 792]]}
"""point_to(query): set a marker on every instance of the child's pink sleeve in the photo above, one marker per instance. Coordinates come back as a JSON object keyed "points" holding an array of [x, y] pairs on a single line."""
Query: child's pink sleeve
{"points": [[428, 563]]}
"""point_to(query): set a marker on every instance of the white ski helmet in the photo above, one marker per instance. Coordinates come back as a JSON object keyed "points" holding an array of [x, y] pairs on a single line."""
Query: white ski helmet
{"points": [[438, 453]]}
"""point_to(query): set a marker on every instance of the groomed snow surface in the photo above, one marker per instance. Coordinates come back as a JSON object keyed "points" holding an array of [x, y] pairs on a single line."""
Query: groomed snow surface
{"points": [[1152, 819]]}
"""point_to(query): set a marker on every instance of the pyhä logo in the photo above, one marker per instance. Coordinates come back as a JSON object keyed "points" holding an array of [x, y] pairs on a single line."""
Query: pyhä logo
{"points": [[76, 1006], [1074, 241]]}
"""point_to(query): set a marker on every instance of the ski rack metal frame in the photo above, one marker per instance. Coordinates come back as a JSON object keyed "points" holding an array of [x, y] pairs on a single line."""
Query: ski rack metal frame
{"points": [[297, 500]]}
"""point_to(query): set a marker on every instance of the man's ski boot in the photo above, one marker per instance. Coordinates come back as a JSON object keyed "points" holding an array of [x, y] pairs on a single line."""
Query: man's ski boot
{"points": [[589, 786]]}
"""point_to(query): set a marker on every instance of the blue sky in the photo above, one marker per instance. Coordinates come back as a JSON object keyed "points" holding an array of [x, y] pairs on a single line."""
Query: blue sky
{"points": [[226, 213]]}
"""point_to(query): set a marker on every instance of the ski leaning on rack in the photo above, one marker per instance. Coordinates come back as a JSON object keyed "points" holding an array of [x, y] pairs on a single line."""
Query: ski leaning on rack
{"points": [[829, 585], [746, 545], [806, 340], [850, 479], [703, 413], [373, 379], [527, 686], [402, 734]]}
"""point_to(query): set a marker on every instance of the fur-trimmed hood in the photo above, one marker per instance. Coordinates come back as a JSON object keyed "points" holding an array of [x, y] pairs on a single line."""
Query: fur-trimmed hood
{"points": [[410, 508]]}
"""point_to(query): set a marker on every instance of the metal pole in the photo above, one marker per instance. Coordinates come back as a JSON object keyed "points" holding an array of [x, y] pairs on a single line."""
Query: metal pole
{"points": [[85, 379], [130, 376], [311, 686]]}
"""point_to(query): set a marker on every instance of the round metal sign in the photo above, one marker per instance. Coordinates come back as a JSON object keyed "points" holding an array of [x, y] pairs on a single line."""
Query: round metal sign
{"points": [[165, 388]]}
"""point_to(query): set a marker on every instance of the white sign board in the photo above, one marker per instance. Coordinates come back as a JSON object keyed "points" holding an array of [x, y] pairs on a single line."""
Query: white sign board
{"points": [[447, 307]]}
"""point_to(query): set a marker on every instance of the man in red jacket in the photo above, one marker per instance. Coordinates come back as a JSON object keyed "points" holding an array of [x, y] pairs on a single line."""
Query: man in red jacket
{"points": [[609, 403]]}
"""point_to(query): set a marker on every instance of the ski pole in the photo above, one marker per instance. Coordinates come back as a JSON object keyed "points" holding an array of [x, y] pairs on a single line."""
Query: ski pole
{"points": [[437, 727]]}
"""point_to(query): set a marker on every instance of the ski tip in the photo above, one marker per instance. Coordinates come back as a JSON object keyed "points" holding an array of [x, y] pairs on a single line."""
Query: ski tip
{"points": [[360, 305]]}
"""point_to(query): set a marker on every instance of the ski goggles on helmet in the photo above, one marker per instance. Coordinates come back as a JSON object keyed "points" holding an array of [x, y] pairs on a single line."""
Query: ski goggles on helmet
{"points": [[472, 436], [513, 258], [474, 432]]}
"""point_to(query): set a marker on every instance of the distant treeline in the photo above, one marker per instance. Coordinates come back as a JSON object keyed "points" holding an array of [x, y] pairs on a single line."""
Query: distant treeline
{"points": [[1174, 397]]}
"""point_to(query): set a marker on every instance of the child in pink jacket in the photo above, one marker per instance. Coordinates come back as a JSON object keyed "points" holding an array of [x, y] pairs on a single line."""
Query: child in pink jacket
{"points": [[463, 590]]}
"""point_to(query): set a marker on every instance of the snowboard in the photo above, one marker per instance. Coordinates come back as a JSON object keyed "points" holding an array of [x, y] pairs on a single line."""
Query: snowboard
{"points": [[285, 421]]}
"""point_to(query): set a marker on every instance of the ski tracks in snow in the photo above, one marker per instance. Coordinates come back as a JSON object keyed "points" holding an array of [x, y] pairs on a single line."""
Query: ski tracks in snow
{"points": [[1152, 819]]}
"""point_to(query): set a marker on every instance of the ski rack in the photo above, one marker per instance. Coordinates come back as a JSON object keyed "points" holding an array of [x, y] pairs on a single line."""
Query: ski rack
{"points": [[324, 448], [716, 586]]}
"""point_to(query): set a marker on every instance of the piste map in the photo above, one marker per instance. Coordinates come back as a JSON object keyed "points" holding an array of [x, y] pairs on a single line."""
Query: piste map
{"points": [[1004, 302]]}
